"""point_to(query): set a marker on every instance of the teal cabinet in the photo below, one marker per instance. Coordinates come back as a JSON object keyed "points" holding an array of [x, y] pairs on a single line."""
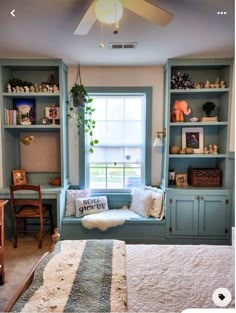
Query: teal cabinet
{"points": [[200, 216], [214, 216]]}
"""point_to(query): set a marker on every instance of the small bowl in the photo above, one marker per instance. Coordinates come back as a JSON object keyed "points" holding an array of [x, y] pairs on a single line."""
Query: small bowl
{"points": [[193, 119], [174, 149], [189, 150]]}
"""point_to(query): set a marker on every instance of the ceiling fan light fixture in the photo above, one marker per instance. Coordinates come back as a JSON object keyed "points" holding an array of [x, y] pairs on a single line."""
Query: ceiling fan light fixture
{"points": [[108, 11]]}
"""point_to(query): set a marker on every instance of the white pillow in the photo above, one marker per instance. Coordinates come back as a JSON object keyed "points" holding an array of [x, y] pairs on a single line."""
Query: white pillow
{"points": [[141, 201], [85, 206], [71, 195], [157, 204]]}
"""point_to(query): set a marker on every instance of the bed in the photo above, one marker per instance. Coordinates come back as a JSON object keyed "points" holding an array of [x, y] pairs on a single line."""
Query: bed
{"points": [[131, 278]]}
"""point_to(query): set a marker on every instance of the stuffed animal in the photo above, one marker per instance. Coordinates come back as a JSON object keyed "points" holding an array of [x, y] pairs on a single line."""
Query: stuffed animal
{"points": [[180, 108]]}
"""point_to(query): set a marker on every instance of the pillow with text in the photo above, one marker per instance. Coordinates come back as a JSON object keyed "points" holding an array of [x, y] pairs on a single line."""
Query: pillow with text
{"points": [[85, 206]]}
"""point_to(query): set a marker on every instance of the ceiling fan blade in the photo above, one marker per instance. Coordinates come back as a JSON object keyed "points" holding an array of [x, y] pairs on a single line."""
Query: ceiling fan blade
{"points": [[87, 21], [149, 11]]}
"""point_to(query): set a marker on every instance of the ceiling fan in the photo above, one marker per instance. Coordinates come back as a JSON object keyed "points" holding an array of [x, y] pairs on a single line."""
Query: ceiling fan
{"points": [[110, 11]]}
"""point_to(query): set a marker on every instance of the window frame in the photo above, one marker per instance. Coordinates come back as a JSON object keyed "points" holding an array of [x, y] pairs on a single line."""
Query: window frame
{"points": [[147, 92]]}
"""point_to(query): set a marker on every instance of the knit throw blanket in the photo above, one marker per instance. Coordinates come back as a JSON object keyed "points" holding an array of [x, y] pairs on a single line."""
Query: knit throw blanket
{"points": [[79, 276]]}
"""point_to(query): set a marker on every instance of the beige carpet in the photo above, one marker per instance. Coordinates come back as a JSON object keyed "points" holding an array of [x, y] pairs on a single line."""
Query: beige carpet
{"points": [[18, 263]]}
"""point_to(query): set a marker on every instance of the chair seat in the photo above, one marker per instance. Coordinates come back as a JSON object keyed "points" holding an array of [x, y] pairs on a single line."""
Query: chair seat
{"points": [[31, 211]]}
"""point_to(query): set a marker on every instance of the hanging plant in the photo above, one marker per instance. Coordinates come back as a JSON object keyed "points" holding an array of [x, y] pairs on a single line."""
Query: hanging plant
{"points": [[81, 109]]}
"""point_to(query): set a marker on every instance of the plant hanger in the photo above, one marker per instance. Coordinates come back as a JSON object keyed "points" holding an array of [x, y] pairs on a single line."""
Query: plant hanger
{"points": [[81, 109]]}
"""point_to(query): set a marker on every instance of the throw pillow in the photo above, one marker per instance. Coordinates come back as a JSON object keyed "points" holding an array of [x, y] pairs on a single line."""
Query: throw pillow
{"points": [[141, 201], [157, 204], [85, 206], [71, 195]]}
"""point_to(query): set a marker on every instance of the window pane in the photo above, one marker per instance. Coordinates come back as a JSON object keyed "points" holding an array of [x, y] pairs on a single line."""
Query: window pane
{"points": [[115, 109], [118, 159], [133, 108], [97, 177]]}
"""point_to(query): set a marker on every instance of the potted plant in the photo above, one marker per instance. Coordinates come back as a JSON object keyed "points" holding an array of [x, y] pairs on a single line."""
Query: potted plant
{"points": [[208, 107], [80, 108]]}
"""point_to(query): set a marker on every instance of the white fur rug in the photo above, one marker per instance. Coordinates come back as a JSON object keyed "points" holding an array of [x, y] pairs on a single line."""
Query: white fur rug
{"points": [[107, 219], [172, 278]]}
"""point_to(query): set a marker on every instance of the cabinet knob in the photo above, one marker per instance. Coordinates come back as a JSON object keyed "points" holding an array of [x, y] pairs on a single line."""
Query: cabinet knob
{"points": [[226, 230], [197, 197]]}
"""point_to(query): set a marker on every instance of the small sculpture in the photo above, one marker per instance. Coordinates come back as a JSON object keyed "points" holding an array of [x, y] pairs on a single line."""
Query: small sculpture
{"points": [[207, 84], [211, 151], [36, 88], [180, 108], [205, 150], [32, 89], [8, 88], [26, 89], [55, 88], [217, 83], [222, 84], [215, 149]]}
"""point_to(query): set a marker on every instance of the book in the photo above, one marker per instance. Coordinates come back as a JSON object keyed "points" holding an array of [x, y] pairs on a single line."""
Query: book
{"points": [[209, 119]]}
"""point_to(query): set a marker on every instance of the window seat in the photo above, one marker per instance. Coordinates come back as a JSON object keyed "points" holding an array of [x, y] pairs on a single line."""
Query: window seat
{"points": [[134, 230]]}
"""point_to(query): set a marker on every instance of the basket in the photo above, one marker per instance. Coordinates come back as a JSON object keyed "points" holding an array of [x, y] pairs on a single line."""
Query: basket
{"points": [[204, 177]]}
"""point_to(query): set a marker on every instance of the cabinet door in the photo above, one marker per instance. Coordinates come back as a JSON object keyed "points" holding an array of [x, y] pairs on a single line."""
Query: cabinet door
{"points": [[213, 216], [184, 216]]}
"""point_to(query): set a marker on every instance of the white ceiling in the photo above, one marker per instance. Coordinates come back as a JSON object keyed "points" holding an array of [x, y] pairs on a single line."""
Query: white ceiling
{"points": [[44, 29]]}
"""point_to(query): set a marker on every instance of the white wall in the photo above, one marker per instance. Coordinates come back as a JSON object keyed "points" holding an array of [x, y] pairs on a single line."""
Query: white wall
{"points": [[119, 77], [127, 77]]}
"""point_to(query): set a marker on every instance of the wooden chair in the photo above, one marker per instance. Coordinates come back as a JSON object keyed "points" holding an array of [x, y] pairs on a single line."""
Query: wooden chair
{"points": [[30, 208]]}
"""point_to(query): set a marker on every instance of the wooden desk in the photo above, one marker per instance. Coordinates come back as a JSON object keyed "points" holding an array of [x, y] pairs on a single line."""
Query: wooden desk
{"points": [[2, 203]]}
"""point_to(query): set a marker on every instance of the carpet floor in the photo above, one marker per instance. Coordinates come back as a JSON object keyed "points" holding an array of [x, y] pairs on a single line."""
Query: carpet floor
{"points": [[18, 263]]}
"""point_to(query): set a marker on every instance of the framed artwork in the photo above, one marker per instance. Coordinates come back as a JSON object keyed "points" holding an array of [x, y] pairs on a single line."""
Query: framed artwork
{"points": [[181, 180], [19, 177], [25, 110], [193, 138], [52, 113]]}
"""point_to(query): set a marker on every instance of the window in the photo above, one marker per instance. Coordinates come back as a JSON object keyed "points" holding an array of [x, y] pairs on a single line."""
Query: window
{"points": [[119, 160]]}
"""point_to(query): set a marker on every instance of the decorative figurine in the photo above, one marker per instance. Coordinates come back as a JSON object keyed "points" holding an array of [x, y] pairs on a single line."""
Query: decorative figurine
{"points": [[211, 151], [217, 83], [207, 84], [26, 89], [180, 108], [55, 88], [215, 149], [8, 88], [36, 88], [32, 89], [205, 150], [222, 84]]}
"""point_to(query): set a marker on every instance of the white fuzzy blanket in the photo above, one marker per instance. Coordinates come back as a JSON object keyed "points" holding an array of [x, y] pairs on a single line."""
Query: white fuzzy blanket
{"points": [[107, 219]]}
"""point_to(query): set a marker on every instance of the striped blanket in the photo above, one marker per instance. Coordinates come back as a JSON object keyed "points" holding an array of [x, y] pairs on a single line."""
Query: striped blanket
{"points": [[79, 276]]}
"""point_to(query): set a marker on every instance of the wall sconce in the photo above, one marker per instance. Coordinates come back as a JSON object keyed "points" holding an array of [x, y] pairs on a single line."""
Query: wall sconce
{"points": [[27, 140], [157, 141]]}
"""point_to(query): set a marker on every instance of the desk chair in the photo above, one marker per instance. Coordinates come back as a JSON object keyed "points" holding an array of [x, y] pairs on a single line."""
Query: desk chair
{"points": [[30, 208]]}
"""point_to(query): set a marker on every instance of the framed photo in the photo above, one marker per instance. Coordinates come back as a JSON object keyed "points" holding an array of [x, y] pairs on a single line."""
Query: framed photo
{"points": [[52, 112], [181, 180], [25, 110], [19, 177], [193, 138]]}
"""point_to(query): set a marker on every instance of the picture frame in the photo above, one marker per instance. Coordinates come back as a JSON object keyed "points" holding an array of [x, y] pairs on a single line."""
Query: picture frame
{"points": [[25, 110], [193, 138], [52, 112], [19, 177], [181, 180]]}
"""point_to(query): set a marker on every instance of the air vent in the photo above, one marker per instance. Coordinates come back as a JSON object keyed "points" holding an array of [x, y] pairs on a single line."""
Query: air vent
{"points": [[123, 45]]}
